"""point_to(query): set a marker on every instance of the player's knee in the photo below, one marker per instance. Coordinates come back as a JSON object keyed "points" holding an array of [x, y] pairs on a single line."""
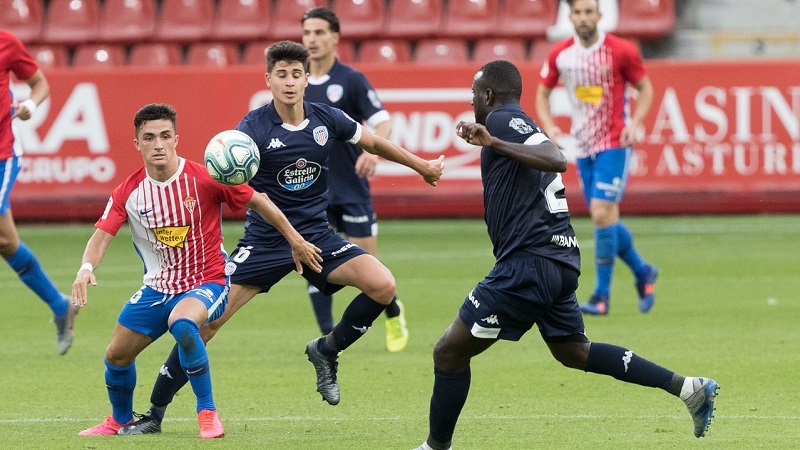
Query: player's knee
{"points": [[8, 246], [118, 359], [384, 291], [446, 359]]}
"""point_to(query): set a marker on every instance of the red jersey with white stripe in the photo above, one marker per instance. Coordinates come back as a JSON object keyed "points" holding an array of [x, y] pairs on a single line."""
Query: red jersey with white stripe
{"points": [[13, 58], [595, 79], [175, 225]]}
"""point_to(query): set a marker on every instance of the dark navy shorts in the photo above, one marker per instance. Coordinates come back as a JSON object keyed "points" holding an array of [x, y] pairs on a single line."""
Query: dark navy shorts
{"points": [[258, 264], [520, 292], [354, 219]]}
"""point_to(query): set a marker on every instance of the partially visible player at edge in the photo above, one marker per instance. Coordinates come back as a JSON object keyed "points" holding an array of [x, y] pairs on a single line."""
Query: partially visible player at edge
{"points": [[173, 208], [15, 59], [536, 269], [596, 69], [295, 139], [350, 210]]}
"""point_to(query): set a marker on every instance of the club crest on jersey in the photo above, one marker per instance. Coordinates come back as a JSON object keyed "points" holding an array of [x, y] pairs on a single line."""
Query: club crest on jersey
{"points": [[335, 92], [320, 135], [300, 175], [189, 203], [520, 125]]}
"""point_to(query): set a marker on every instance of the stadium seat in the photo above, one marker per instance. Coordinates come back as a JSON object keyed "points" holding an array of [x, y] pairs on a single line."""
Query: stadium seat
{"points": [[646, 19], [410, 19], [384, 51], [526, 18], [155, 54], [346, 51], [184, 20], [127, 21], [49, 56], [71, 22], [441, 51], [98, 56], [470, 18], [540, 48], [286, 22], [23, 18], [255, 53], [242, 20], [486, 50], [212, 54], [360, 19], [563, 27]]}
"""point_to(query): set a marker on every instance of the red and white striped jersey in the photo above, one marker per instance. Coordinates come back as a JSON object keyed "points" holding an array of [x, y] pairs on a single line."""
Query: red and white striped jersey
{"points": [[175, 225], [13, 58], [595, 79]]}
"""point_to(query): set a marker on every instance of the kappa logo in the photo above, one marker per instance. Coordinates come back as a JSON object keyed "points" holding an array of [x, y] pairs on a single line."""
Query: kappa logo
{"points": [[164, 371], [491, 320], [276, 143], [474, 300], [362, 330], [626, 359]]}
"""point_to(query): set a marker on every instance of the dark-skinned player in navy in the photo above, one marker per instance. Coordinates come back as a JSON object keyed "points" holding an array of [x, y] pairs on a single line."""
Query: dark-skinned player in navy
{"points": [[295, 139], [537, 266], [350, 209]]}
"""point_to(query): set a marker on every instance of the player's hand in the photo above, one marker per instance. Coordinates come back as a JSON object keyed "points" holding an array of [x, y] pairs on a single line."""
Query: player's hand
{"points": [[21, 111], [304, 252], [474, 133], [434, 171], [83, 278], [366, 164], [627, 136]]}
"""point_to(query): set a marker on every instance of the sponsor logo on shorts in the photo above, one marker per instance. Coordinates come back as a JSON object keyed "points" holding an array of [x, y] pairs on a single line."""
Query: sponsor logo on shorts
{"points": [[491, 320], [564, 241], [355, 219], [474, 300], [343, 249]]}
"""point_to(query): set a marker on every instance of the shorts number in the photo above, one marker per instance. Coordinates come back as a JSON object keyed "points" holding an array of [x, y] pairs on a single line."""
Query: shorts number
{"points": [[241, 254], [554, 195]]}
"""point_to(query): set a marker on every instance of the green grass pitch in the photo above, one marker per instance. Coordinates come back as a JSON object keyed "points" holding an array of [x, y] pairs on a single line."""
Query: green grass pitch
{"points": [[728, 307]]}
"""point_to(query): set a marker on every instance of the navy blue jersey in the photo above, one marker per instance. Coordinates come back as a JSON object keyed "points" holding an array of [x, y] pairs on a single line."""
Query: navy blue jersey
{"points": [[525, 208], [294, 165], [348, 90]]}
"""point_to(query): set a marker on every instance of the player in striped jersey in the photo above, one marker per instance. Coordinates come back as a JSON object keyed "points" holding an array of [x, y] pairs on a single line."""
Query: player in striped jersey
{"points": [[596, 69], [172, 207], [15, 59], [536, 269]]}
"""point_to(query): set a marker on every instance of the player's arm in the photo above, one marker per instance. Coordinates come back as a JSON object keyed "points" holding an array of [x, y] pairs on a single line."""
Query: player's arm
{"points": [[538, 151], [40, 90], [92, 255], [303, 252], [644, 99], [545, 118], [367, 162], [431, 170]]}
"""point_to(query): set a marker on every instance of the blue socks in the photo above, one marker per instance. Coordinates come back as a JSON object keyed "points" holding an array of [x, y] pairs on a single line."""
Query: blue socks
{"points": [[194, 360], [120, 382], [628, 252], [27, 266]]}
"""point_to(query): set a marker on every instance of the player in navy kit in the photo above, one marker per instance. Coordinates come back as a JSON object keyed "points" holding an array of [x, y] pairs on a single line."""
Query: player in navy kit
{"points": [[350, 208], [537, 266], [295, 139]]}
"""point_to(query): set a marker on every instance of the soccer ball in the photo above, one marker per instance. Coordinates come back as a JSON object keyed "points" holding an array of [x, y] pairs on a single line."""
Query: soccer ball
{"points": [[232, 157]]}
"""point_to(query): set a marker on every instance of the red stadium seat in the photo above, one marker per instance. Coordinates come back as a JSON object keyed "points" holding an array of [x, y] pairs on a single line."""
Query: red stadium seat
{"points": [[71, 22], [212, 54], [155, 54], [441, 51], [409, 19], [470, 18], [184, 20], [492, 49], [98, 56], [540, 48], [242, 20], [384, 51], [360, 19], [286, 23], [345, 51], [526, 18], [646, 19], [127, 21], [23, 18], [255, 53], [49, 56]]}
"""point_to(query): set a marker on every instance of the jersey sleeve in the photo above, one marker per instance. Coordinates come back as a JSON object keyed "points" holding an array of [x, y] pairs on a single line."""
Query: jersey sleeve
{"points": [[633, 66], [548, 76], [115, 214], [22, 64], [367, 101], [235, 196]]}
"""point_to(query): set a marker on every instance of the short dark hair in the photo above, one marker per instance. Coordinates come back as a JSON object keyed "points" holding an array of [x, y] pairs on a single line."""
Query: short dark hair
{"points": [[570, 2], [286, 51], [503, 78], [324, 14], [153, 111]]}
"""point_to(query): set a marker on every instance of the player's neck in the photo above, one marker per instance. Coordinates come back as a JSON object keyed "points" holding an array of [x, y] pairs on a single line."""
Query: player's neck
{"points": [[590, 41], [320, 67], [163, 172], [293, 114]]}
